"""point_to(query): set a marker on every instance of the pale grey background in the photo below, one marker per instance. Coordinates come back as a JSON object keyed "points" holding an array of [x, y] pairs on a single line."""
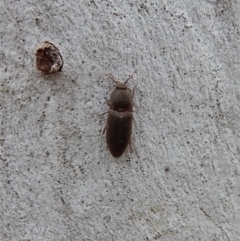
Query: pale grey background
{"points": [[59, 182]]}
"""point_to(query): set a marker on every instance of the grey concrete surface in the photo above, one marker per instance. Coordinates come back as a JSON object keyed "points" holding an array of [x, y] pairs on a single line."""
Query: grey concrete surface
{"points": [[58, 180]]}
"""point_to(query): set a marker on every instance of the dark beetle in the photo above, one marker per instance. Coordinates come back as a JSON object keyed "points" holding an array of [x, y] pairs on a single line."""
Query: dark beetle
{"points": [[120, 116]]}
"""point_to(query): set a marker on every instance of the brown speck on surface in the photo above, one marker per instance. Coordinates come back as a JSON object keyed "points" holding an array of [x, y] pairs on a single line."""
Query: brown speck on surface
{"points": [[48, 58]]}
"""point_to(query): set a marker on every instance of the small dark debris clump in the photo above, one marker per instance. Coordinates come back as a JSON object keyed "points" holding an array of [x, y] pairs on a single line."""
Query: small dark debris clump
{"points": [[48, 58]]}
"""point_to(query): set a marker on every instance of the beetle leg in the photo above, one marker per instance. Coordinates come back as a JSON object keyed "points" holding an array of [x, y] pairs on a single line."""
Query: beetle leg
{"points": [[103, 113], [132, 150], [130, 146], [104, 130], [108, 102], [133, 90]]}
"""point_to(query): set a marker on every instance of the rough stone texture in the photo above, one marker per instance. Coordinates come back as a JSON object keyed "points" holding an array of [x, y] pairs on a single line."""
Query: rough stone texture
{"points": [[58, 180]]}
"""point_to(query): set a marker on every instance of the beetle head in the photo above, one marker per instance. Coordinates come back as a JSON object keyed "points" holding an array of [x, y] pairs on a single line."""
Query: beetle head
{"points": [[121, 86]]}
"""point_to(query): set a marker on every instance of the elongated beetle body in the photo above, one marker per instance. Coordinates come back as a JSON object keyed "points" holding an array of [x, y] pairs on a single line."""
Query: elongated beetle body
{"points": [[120, 117]]}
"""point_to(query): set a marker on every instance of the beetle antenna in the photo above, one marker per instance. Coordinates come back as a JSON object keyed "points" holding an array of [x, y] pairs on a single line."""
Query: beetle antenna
{"points": [[130, 76], [111, 77]]}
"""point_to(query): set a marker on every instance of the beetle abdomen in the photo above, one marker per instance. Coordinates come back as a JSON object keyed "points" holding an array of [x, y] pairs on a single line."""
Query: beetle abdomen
{"points": [[119, 129]]}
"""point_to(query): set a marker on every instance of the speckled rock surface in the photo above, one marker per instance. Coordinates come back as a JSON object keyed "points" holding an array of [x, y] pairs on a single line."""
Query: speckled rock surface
{"points": [[58, 180]]}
